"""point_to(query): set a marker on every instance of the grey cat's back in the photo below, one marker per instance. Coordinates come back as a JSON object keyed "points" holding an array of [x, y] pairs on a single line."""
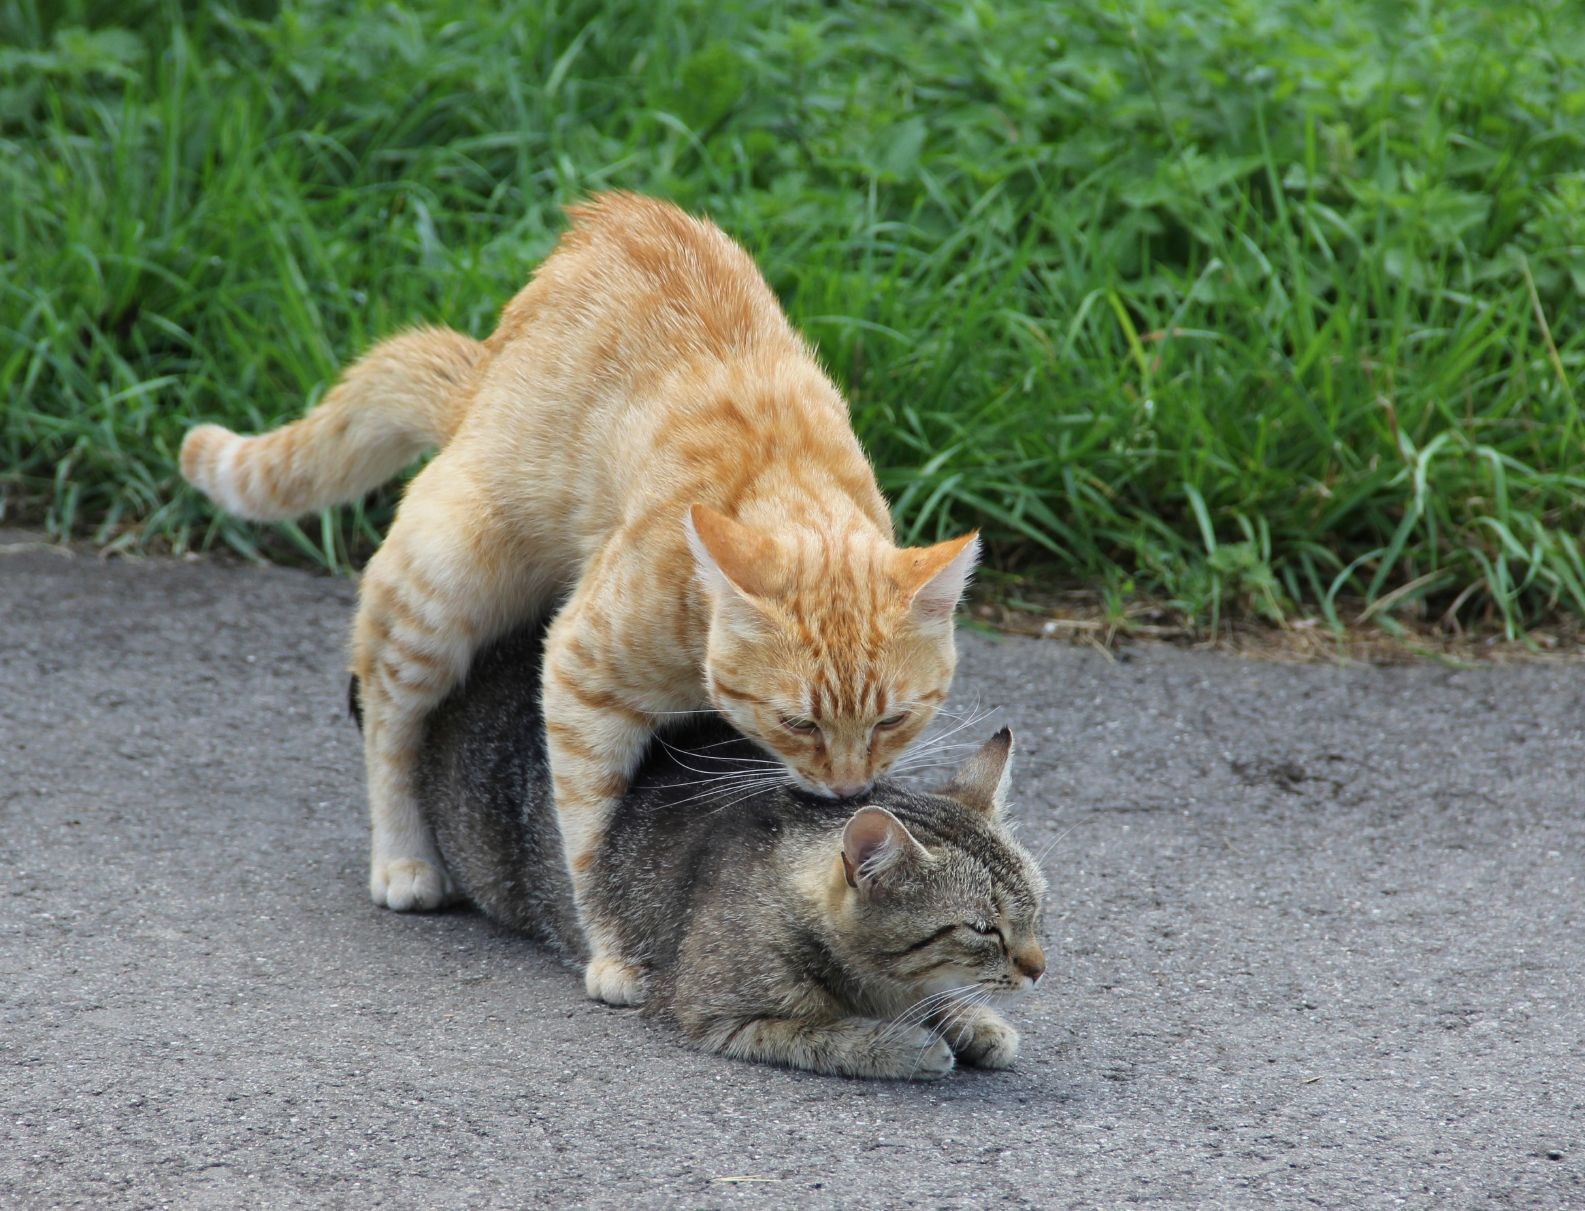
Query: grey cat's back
{"points": [[482, 776], [484, 785]]}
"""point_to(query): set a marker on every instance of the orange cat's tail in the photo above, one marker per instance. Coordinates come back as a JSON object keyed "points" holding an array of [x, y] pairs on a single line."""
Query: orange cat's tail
{"points": [[406, 395]]}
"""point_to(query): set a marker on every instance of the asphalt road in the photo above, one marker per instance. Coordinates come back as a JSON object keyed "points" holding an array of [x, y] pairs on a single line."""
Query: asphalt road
{"points": [[1317, 937]]}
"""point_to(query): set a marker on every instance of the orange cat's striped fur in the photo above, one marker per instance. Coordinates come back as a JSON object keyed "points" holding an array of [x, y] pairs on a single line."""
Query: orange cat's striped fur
{"points": [[645, 437]]}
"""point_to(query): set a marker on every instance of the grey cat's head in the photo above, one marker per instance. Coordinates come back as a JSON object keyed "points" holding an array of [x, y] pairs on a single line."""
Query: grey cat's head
{"points": [[931, 893]]}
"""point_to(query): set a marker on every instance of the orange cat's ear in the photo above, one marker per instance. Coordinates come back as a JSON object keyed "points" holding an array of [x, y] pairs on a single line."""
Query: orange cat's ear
{"points": [[935, 577], [876, 844], [980, 782], [726, 552]]}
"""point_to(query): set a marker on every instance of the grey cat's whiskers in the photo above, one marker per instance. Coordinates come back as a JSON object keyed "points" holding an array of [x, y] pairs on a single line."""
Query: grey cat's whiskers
{"points": [[961, 1021], [958, 1011], [916, 1013], [1045, 852], [957, 1019]]}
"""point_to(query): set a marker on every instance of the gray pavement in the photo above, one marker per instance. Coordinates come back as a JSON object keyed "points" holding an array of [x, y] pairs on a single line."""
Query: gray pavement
{"points": [[1317, 937]]}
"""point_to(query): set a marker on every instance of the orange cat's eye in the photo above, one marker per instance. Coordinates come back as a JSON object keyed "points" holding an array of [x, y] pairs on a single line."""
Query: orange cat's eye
{"points": [[804, 727], [893, 720]]}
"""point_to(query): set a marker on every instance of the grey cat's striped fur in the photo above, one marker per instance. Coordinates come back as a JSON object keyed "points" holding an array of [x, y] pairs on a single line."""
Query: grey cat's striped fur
{"points": [[864, 941]]}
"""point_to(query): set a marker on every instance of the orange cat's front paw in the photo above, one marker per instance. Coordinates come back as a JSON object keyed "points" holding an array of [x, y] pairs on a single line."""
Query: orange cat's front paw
{"points": [[409, 885], [615, 982]]}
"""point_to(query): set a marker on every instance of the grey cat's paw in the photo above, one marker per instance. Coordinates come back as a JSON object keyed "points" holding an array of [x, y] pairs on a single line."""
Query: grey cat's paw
{"points": [[615, 982], [932, 1058], [410, 885], [916, 1055], [986, 1040]]}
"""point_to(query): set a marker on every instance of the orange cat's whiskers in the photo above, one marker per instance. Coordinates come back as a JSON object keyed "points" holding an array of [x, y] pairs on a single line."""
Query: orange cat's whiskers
{"points": [[973, 710], [934, 752], [925, 757], [733, 780], [971, 718], [721, 786], [721, 777], [920, 766], [749, 795], [696, 755], [743, 790], [704, 748], [940, 744]]}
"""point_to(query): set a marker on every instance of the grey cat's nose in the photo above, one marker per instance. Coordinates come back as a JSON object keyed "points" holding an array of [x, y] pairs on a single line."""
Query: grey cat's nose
{"points": [[1031, 964]]}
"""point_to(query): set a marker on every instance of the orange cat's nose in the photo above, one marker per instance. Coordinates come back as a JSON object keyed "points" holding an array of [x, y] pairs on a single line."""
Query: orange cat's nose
{"points": [[848, 790]]}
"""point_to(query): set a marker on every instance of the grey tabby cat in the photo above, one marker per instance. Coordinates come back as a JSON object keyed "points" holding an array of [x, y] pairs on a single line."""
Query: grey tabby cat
{"points": [[779, 927]]}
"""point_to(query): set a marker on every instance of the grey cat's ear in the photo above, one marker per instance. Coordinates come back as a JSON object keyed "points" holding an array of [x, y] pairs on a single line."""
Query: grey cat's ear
{"points": [[981, 781], [876, 844], [730, 556]]}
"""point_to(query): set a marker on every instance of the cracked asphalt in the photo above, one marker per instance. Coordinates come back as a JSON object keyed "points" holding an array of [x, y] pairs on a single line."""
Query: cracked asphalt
{"points": [[1317, 937]]}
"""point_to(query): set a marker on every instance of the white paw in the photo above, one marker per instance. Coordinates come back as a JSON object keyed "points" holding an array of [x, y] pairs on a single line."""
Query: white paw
{"points": [[615, 982], [988, 1041], [409, 885]]}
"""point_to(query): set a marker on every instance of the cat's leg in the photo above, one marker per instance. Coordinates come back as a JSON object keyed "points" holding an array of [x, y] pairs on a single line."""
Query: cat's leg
{"points": [[845, 1047], [981, 1037], [442, 584], [595, 740]]}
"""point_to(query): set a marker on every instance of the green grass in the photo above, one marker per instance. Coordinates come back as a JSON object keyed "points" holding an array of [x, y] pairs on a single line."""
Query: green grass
{"points": [[1263, 306]]}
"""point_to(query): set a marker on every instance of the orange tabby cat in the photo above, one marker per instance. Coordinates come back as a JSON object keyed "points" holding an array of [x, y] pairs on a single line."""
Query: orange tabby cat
{"points": [[645, 439]]}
